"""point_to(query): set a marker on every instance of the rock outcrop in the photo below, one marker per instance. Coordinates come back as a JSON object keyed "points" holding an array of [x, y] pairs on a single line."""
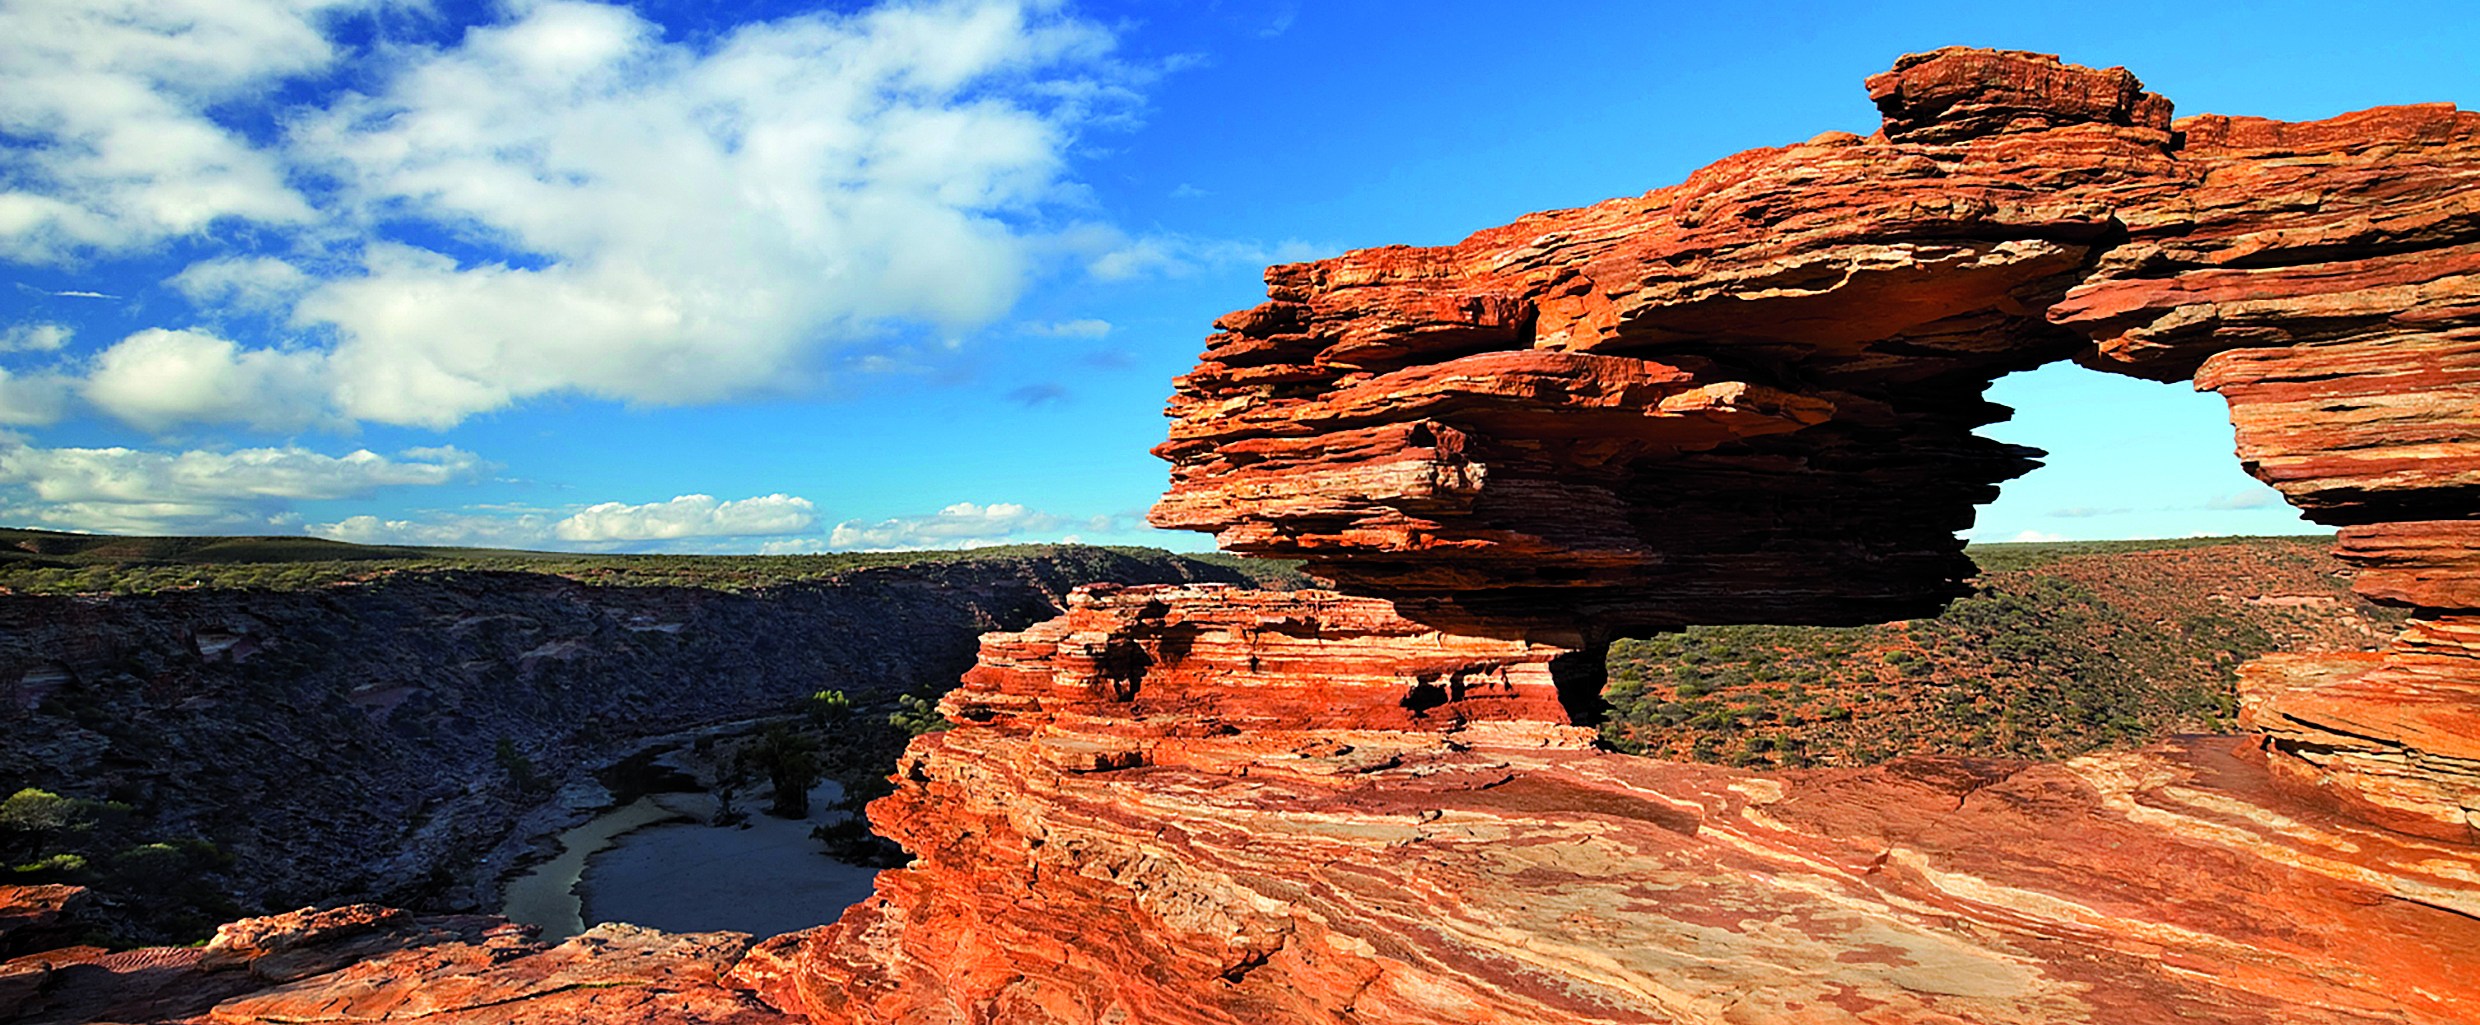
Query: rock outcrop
{"points": [[1115, 832], [364, 963], [1748, 398]]}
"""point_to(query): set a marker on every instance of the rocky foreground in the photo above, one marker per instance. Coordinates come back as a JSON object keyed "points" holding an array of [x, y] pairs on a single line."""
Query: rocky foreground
{"points": [[1744, 399]]}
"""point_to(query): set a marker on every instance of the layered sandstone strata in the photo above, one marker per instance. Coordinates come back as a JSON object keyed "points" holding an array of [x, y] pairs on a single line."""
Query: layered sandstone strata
{"points": [[362, 963], [1116, 832], [1747, 398]]}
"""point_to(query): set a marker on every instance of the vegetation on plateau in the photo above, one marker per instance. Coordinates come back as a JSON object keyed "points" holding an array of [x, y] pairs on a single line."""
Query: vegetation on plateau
{"points": [[51, 562], [2062, 648]]}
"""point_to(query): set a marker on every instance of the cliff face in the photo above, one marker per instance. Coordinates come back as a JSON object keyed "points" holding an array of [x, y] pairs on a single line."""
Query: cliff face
{"points": [[1744, 399], [343, 743], [1747, 398], [1116, 832]]}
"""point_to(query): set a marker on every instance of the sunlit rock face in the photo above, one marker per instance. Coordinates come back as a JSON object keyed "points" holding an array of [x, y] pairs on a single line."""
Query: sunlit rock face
{"points": [[1745, 398], [1139, 818], [1749, 397]]}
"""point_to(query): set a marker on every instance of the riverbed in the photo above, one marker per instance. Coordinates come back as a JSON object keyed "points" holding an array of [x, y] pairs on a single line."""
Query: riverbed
{"points": [[656, 862]]}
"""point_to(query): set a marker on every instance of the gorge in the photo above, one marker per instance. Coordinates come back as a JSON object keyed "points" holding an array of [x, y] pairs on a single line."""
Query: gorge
{"points": [[1748, 398]]}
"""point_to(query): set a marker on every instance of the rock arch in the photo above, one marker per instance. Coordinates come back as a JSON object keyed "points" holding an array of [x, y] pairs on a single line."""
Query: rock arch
{"points": [[1745, 398], [1750, 397]]}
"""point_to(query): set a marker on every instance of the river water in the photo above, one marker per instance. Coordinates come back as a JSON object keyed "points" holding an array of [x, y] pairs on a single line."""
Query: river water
{"points": [[655, 862]]}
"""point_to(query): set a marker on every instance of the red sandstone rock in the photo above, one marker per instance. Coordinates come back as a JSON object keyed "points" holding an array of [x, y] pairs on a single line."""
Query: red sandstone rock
{"points": [[368, 963], [611, 973], [2434, 564], [1092, 849], [1805, 333], [30, 916], [1802, 336], [1745, 398]]}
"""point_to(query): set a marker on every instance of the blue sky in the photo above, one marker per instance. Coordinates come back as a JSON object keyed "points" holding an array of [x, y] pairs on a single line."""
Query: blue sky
{"points": [[744, 276]]}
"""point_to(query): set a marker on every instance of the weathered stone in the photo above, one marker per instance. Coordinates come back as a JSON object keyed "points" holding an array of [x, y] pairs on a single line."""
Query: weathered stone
{"points": [[1746, 398], [1194, 858]]}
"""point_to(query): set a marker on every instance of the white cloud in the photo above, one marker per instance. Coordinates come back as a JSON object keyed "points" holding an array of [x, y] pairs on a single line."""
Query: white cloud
{"points": [[35, 338], [132, 491], [2037, 535], [689, 516], [1088, 328], [488, 530], [111, 96], [599, 210], [1114, 257], [963, 525], [156, 378], [595, 527], [692, 222], [32, 400], [258, 283]]}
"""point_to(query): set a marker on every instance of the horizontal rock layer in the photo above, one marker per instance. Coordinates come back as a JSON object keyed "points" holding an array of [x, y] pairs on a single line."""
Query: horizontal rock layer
{"points": [[1092, 849], [1749, 397], [362, 963]]}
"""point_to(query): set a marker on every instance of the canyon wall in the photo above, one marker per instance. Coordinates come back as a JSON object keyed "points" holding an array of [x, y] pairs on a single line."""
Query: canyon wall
{"points": [[1747, 398], [343, 743]]}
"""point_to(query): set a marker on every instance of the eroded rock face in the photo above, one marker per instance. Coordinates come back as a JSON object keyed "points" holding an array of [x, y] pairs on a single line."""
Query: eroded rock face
{"points": [[1745, 398], [1749, 397], [1101, 844], [366, 963]]}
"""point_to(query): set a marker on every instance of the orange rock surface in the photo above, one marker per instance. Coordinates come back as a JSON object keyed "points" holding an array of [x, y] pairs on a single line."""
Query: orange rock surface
{"points": [[1111, 834], [1745, 398], [364, 963]]}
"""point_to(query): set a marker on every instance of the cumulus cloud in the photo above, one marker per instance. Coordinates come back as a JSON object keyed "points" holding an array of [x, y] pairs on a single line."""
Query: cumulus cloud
{"points": [[256, 283], [689, 516], [104, 105], [35, 338], [156, 378], [135, 491], [691, 221], [962, 525], [564, 201], [687, 519], [482, 530]]}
